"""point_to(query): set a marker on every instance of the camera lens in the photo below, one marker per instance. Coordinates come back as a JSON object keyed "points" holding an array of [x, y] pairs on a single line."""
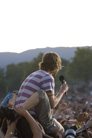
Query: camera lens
{"points": [[70, 133]]}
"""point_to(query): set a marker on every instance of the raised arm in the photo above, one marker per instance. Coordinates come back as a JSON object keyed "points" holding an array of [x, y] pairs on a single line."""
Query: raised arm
{"points": [[54, 100], [37, 132]]}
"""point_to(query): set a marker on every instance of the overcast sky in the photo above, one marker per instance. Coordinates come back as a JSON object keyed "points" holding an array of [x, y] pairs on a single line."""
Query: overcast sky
{"points": [[28, 24]]}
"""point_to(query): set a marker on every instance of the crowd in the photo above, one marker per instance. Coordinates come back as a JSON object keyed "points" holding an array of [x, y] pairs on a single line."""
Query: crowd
{"points": [[73, 111], [78, 114], [37, 111]]}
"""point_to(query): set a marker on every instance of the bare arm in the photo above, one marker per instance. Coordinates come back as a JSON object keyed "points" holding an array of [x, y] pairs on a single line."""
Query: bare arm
{"points": [[54, 100], [1, 134], [61, 108], [37, 132]]}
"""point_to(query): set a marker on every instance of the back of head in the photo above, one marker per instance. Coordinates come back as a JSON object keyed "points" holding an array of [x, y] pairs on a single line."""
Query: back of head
{"points": [[50, 61]]}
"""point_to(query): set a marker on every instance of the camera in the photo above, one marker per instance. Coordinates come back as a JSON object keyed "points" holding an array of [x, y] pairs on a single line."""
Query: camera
{"points": [[70, 133]]}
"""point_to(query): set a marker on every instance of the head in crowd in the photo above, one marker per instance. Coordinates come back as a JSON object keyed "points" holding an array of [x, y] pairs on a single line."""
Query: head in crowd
{"points": [[51, 62]]}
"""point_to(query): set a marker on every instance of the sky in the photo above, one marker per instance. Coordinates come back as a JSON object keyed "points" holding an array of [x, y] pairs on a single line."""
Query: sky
{"points": [[30, 24]]}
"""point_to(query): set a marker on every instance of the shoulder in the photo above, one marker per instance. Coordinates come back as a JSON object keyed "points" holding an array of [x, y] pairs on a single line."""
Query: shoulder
{"points": [[48, 78]]}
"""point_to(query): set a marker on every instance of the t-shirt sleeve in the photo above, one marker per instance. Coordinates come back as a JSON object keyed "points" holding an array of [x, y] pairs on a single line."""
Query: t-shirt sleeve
{"points": [[47, 83]]}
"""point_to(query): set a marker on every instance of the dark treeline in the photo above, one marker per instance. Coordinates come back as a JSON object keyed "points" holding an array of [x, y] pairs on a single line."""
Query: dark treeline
{"points": [[76, 71]]}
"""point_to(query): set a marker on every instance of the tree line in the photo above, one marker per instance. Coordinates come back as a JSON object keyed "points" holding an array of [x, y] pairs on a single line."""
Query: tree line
{"points": [[79, 69]]}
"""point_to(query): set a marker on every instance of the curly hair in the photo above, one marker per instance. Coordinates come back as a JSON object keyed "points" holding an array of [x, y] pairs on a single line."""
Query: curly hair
{"points": [[50, 61]]}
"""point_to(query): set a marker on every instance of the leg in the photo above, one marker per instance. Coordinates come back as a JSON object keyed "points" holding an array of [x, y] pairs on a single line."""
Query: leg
{"points": [[32, 101], [40, 101], [43, 111]]}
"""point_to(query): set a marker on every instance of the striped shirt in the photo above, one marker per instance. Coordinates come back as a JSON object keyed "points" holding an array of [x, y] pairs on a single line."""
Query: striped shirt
{"points": [[37, 80]]}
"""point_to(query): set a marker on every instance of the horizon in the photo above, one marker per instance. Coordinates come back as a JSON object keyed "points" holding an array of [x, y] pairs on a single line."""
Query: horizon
{"points": [[7, 58], [43, 48]]}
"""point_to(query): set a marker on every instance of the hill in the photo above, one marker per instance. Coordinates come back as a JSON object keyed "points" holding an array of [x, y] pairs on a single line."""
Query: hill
{"points": [[7, 58]]}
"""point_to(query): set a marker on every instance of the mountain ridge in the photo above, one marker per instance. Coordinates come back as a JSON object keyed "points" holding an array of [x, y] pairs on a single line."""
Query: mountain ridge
{"points": [[7, 58]]}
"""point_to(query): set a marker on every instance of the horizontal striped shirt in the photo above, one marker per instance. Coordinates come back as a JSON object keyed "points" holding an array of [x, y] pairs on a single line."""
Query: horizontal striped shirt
{"points": [[37, 80]]}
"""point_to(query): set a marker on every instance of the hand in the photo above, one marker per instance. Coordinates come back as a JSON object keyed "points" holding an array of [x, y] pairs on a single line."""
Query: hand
{"points": [[62, 106], [82, 116], [9, 105], [64, 87], [21, 111]]}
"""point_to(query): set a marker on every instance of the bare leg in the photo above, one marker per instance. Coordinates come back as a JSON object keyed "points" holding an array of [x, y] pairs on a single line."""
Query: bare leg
{"points": [[31, 102], [40, 101]]}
